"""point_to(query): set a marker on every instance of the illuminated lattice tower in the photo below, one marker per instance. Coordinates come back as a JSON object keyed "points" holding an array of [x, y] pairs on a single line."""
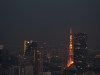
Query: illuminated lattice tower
{"points": [[70, 50]]}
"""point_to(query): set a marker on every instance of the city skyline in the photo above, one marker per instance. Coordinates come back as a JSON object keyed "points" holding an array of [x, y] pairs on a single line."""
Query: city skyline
{"points": [[49, 37], [48, 21]]}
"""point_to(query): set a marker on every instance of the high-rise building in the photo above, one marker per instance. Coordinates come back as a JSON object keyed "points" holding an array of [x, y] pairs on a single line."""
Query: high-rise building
{"points": [[80, 52], [18, 70], [26, 44], [34, 53], [3, 61], [14, 70], [29, 70], [24, 61], [30, 48], [46, 63], [13, 60], [94, 61], [55, 65], [21, 52]]}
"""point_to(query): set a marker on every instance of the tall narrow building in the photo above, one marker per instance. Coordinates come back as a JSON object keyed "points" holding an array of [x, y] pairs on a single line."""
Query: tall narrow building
{"points": [[3, 61], [35, 56], [26, 44], [80, 52], [70, 51]]}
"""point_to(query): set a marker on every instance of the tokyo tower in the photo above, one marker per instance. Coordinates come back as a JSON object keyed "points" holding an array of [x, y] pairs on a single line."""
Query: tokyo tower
{"points": [[70, 51]]}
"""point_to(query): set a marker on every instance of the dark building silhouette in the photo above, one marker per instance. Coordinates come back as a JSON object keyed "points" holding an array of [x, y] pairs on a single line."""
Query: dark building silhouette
{"points": [[80, 52], [95, 70], [31, 48], [3, 61], [21, 53], [13, 60], [33, 52], [26, 44], [55, 65], [96, 61], [46, 63], [71, 70]]}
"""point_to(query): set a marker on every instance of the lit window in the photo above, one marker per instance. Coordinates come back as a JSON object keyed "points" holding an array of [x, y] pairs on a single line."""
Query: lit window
{"points": [[24, 58], [79, 61], [76, 55], [37, 50], [27, 41], [86, 48], [78, 44], [56, 56], [78, 47], [81, 68], [78, 66], [82, 56], [98, 55]]}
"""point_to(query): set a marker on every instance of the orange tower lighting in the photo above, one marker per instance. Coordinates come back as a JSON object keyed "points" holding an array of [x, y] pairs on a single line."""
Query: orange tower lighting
{"points": [[70, 52]]}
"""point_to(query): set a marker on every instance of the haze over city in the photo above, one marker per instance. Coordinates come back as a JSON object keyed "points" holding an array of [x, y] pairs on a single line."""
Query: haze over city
{"points": [[48, 21], [50, 37]]}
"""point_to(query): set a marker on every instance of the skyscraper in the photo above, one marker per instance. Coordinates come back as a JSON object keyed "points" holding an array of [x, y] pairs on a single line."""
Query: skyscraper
{"points": [[3, 61], [26, 44], [80, 52], [70, 51], [31, 47], [34, 53]]}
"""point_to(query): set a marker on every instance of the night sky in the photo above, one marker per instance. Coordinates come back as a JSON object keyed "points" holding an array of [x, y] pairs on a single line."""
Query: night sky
{"points": [[48, 21]]}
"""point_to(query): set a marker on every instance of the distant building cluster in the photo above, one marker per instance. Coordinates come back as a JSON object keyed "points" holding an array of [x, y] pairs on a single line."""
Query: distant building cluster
{"points": [[35, 60]]}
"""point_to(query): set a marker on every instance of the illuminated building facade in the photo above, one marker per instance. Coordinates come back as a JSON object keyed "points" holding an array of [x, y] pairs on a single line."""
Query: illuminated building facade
{"points": [[26, 44], [70, 51], [80, 52]]}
